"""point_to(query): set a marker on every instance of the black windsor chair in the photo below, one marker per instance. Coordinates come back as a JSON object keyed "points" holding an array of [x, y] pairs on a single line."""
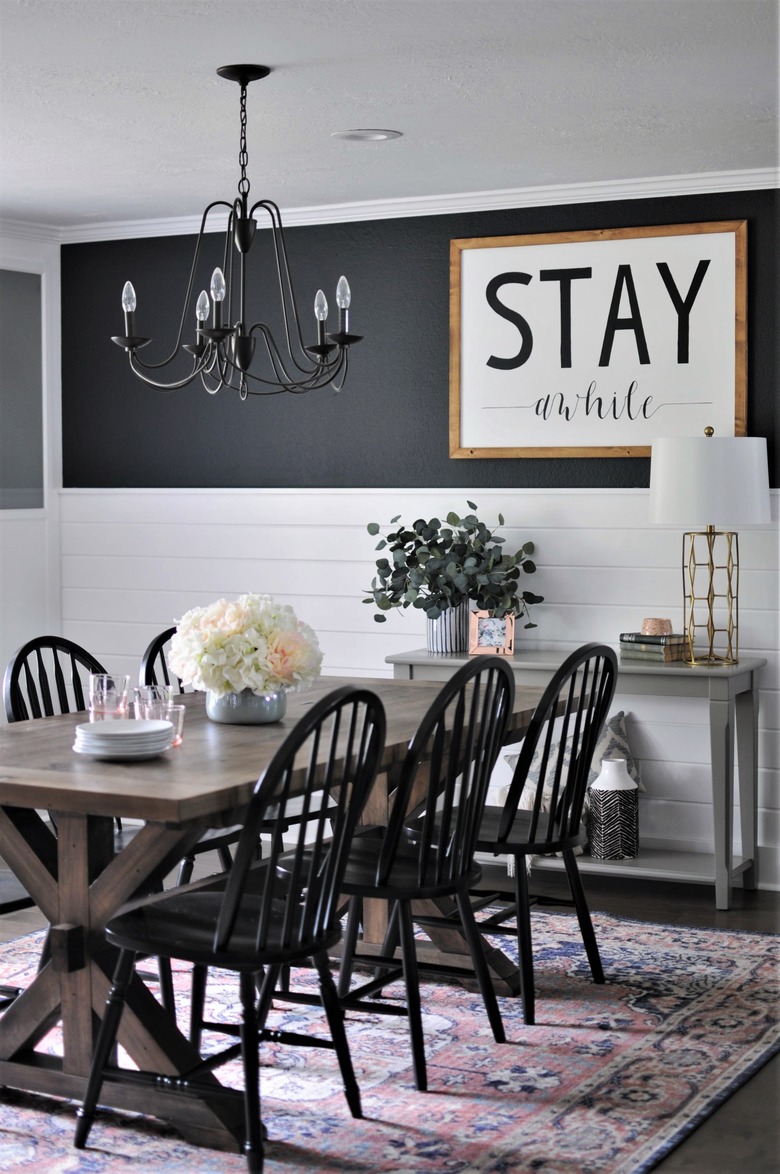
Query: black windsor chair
{"points": [[544, 817], [154, 671], [47, 675], [154, 663], [443, 779], [254, 919], [50, 675]]}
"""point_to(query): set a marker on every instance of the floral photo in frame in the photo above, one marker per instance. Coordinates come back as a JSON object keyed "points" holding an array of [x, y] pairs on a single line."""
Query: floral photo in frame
{"points": [[489, 633]]}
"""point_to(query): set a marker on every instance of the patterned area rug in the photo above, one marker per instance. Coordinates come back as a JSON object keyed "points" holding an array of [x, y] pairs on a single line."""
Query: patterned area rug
{"points": [[609, 1080]]}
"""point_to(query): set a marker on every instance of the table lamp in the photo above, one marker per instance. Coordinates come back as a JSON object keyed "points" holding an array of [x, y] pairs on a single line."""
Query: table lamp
{"points": [[700, 482]]}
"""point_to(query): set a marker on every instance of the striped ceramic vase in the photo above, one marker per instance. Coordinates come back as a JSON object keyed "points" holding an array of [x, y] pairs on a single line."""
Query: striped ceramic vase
{"points": [[449, 632]]}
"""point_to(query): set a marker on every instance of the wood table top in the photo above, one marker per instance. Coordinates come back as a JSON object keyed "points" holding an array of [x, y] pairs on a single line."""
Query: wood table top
{"points": [[211, 774]]}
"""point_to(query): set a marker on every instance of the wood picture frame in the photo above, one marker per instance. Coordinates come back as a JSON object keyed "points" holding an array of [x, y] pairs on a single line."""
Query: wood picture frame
{"points": [[489, 633], [591, 344]]}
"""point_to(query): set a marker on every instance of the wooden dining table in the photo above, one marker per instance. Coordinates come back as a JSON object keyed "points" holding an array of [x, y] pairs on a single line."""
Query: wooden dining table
{"points": [[79, 880]]}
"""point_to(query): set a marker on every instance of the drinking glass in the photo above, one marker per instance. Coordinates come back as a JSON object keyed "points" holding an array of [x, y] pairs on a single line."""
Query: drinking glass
{"points": [[176, 715], [155, 709], [107, 696], [145, 695]]}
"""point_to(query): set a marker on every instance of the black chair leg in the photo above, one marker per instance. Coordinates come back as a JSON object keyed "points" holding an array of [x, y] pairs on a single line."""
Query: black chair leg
{"points": [[166, 985], [185, 871], [412, 983], [335, 1014], [266, 982], [524, 942], [197, 1003], [583, 916], [390, 942], [104, 1046], [480, 967], [9, 994], [253, 1136], [349, 942]]}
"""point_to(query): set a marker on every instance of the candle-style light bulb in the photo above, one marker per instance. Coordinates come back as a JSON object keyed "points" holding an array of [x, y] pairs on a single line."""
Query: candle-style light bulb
{"points": [[128, 298], [343, 294], [320, 306], [202, 306], [218, 288], [128, 305], [320, 313], [343, 298], [218, 292]]}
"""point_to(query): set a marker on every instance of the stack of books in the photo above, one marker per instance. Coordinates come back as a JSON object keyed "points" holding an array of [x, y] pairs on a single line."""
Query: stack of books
{"points": [[637, 646]]}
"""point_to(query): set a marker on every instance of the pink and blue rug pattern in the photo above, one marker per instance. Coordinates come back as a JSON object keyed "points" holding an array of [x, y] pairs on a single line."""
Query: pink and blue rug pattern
{"points": [[607, 1082]]}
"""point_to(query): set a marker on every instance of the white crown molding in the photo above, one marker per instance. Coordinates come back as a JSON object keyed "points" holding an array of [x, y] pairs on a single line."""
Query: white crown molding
{"points": [[631, 189], [21, 230]]}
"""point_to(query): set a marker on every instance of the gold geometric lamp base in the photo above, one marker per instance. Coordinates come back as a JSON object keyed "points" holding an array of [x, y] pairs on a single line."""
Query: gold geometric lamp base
{"points": [[710, 596]]}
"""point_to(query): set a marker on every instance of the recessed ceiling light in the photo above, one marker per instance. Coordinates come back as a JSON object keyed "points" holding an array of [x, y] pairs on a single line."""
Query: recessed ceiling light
{"points": [[366, 136]]}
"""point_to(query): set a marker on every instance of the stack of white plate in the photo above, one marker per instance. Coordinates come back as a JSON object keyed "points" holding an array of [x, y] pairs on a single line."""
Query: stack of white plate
{"points": [[123, 739]]}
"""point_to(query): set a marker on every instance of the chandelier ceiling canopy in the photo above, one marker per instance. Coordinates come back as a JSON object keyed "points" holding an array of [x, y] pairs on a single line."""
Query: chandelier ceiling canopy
{"points": [[227, 351]]}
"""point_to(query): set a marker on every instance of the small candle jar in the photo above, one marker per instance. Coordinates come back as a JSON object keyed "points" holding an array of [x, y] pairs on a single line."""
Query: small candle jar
{"points": [[653, 626]]}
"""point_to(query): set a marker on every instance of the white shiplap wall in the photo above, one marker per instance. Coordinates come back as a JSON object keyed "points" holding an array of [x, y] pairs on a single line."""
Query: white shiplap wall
{"points": [[134, 560]]}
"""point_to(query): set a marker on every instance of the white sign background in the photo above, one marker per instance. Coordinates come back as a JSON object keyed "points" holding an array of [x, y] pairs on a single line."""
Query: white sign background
{"points": [[621, 314]]}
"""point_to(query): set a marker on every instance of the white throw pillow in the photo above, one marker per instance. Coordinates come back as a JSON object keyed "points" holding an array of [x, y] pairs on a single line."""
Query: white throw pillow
{"points": [[612, 743]]}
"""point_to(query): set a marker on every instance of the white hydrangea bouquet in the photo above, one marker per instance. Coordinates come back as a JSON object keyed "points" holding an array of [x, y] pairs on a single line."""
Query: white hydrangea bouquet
{"points": [[248, 643]]}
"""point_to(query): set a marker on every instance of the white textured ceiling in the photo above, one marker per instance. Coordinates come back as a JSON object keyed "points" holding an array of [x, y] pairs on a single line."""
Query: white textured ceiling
{"points": [[111, 110]]}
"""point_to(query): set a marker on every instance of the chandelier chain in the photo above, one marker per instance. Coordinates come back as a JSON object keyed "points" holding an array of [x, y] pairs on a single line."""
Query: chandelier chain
{"points": [[243, 156]]}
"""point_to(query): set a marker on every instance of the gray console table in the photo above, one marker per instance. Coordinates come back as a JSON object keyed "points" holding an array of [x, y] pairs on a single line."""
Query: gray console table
{"points": [[732, 694]]}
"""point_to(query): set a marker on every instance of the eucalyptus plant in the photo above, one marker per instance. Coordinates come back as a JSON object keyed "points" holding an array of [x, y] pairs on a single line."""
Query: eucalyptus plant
{"points": [[435, 565]]}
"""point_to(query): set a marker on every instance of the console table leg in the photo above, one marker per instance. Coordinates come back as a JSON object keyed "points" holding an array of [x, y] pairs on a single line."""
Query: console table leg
{"points": [[722, 758], [747, 743]]}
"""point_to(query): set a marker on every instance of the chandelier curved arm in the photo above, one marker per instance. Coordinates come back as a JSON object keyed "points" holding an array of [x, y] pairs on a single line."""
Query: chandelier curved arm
{"points": [[338, 386], [136, 368], [284, 277], [188, 294], [316, 377]]}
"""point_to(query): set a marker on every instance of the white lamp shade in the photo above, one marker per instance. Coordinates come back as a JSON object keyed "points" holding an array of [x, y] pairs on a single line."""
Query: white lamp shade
{"points": [[700, 481]]}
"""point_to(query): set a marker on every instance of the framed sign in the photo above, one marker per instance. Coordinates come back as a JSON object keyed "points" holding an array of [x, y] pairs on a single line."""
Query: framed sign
{"points": [[489, 634], [591, 344]]}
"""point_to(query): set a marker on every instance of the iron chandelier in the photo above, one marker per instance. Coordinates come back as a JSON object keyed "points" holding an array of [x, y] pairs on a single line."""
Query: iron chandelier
{"points": [[225, 348]]}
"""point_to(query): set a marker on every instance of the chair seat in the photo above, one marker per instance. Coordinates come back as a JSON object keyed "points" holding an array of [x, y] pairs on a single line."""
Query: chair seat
{"points": [[403, 881], [517, 842], [182, 925]]}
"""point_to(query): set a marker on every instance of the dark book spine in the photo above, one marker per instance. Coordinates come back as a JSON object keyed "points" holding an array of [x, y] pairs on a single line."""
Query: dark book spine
{"points": [[640, 638]]}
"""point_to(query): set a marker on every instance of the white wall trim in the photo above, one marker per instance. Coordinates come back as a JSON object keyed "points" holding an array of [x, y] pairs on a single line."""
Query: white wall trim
{"points": [[24, 254], [585, 193]]}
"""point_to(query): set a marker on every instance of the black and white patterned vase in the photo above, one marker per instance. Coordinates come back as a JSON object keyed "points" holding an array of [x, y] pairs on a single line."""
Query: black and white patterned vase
{"points": [[613, 828]]}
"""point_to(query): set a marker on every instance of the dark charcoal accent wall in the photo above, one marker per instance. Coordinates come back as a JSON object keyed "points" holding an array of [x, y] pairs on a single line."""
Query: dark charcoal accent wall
{"points": [[389, 427]]}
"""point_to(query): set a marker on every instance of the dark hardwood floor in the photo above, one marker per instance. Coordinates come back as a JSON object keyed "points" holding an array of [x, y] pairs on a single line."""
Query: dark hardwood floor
{"points": [[742, 1137]]}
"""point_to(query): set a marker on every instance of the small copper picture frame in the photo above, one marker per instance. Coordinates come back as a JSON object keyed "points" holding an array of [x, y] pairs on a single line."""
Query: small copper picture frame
{"points": [[487, 633]]}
